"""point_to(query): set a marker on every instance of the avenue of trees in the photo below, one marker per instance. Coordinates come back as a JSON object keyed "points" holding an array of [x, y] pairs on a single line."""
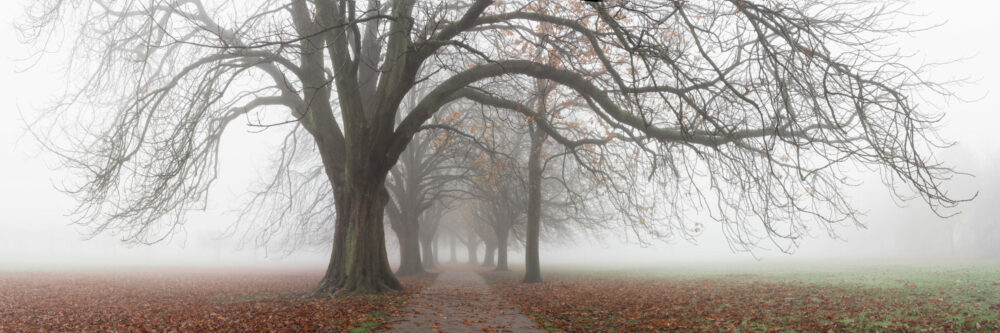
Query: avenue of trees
{"points": [[480, 122]]}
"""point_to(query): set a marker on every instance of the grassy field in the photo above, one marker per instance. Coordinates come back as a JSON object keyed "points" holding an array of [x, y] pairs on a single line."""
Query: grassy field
{"points": [[957, 297]]}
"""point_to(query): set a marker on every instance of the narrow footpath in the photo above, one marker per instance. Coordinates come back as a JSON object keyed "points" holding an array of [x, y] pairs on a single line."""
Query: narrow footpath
{"points": [[462, 302]]}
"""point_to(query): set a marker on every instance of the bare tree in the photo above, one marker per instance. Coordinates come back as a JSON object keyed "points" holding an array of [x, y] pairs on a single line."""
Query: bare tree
{"points": [[501, 186], [501, 210], [416, 184], [429, 227], [747, 110], [471, 241]]}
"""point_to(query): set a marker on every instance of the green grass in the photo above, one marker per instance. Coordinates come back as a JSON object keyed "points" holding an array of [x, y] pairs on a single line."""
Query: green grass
{"points": [[368, 326], [377, 319]]}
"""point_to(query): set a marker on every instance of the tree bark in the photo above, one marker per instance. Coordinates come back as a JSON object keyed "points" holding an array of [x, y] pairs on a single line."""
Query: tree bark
{"points": [[360, 264]]}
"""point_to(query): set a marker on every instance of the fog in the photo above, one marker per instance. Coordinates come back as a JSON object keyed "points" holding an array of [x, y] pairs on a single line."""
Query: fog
{"points": [[35, 232]]}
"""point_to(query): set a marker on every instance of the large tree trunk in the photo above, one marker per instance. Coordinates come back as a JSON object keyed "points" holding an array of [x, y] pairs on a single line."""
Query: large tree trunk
{"points": [[532, 266], [409, 249], [360, 161], [407, 231], [359, 262], [491, 251], [502, 249]]}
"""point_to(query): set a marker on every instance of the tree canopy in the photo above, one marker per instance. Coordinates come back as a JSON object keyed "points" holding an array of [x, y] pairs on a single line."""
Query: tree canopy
{"points": [[747, 111]]}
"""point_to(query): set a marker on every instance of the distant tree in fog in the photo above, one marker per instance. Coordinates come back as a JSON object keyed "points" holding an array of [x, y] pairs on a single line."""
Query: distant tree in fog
{"points": [[978, 229], [416, 183], [530, 178]]}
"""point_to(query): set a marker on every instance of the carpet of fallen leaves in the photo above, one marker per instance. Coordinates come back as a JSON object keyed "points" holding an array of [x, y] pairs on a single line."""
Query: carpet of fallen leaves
{"points": [[188, 300], [573, 303]]}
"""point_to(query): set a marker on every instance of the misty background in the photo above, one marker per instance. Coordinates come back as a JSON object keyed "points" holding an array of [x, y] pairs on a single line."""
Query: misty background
{"points": [[35, 232]]}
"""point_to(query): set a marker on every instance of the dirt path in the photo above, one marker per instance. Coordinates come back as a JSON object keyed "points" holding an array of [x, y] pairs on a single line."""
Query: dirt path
{"points": [[462, 302]]}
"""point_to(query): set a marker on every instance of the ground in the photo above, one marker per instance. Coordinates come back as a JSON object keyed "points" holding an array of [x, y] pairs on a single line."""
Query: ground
{"points": [[833, 298], [796, 298], [460, 301], [189, 300]]}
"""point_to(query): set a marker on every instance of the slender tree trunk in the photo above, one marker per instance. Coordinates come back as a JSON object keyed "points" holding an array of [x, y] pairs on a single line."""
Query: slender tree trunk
{"points": [[435, 249], [473, 248], [409, 249], [532, 269], [454, 257], [502, 249], [428, 250]]}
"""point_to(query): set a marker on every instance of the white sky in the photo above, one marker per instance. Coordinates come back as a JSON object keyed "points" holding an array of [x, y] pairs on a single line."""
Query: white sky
{"points": [[34, 232]]}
